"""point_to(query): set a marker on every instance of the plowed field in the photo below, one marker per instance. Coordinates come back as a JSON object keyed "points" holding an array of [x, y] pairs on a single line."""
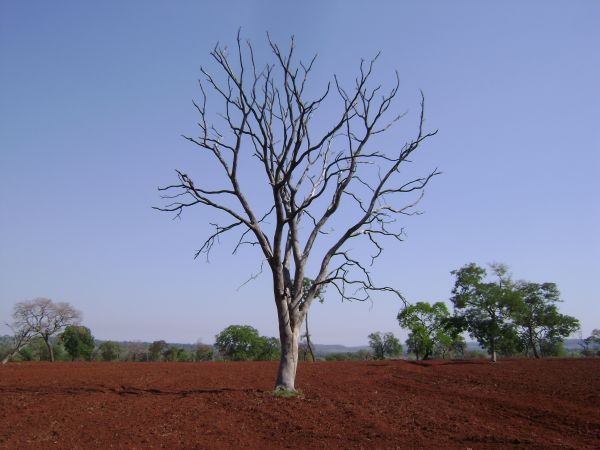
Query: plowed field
{"points": [[389, 404]]}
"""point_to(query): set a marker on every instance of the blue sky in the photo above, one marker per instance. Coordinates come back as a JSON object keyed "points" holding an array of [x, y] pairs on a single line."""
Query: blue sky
{"points": [[94, 98]]}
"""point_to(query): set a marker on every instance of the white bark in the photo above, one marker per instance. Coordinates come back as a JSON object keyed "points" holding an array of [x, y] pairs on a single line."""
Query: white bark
{"points": [[288, 363]]}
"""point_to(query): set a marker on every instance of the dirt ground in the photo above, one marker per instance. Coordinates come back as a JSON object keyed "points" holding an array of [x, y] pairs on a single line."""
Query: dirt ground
{"points": [[389, 404]]}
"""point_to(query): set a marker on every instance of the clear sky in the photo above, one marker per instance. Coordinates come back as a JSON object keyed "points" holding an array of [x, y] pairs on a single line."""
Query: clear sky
{"points": [[94, 97]]}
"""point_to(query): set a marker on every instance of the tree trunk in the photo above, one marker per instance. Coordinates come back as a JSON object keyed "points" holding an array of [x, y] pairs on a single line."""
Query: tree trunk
{"points": [[493, 349], [49, 346], [6, 358], [288, 363], [532, 343]]}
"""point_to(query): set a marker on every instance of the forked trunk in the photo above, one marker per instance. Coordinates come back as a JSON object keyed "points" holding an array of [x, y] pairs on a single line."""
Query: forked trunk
{"points": [[288, 363]]}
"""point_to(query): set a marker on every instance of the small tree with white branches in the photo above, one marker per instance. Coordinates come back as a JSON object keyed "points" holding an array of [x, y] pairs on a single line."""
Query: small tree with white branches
{"points": [[311, 172]]}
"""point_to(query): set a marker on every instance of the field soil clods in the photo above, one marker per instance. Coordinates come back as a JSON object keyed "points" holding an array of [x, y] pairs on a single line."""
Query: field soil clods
{"points": [[546, 404]]}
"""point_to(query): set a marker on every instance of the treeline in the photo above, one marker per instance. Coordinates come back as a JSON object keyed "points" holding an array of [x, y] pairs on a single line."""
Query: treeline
{"points": [[505, 317]]}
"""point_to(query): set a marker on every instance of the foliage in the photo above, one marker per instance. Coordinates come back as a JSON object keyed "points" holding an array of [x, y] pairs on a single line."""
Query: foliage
{"points": [[156, 350], [449, 345], [172, 353], [243, 343], [384, 345], [268, 349], [37, 350], [484, 306], [431, 331], [361, 355], [78, 342], [203, 352], [109, 351], [541, 327], [593, 340]]}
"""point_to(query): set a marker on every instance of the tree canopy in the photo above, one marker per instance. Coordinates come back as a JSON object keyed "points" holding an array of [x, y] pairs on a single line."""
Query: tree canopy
{"points": [[78, 342], [384, 345], [243, 343]]}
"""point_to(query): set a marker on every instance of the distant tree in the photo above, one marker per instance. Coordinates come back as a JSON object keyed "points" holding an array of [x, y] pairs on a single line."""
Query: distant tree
{"points": [[591, 344], [37, 350], [238, 342], [428, 329], [361, 355], [484, 306], [136, 351], [176, 354], [243, 343], [78, 342], [170, 353], [449, 345], [268, 349], [109, 351], [156, 350], [366, 355], [541, 327], [384, 345], [22, 332], [46, 318], [594, 338], [204, 352], [183, 355]]}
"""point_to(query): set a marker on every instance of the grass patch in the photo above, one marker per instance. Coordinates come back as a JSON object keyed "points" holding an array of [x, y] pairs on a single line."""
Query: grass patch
{"points": [[286, 393]]}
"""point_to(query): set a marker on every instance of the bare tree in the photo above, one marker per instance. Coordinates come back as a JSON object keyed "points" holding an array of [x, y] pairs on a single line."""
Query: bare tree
{"points": [[22, 332], [310, 170], [45, 318]]}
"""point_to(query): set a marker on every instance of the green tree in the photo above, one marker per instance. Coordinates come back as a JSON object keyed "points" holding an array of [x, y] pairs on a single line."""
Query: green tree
{"points": [[170, 353], [384, 345], [484, 306], [591, 343], [156, 350], [37, 350], [78, 342], [268, 349], [428, 328], [541, 327], [109, 351], [243, 343], [594, 338], [448, 344]]}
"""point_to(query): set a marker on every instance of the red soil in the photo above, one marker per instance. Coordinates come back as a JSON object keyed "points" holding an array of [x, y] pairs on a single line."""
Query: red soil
{"points": [[389, 404]]}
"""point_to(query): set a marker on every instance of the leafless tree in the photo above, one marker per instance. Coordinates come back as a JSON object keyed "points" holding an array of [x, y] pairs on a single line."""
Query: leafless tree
{"points": [[22, 332], [311, 171], [45, 318]]}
